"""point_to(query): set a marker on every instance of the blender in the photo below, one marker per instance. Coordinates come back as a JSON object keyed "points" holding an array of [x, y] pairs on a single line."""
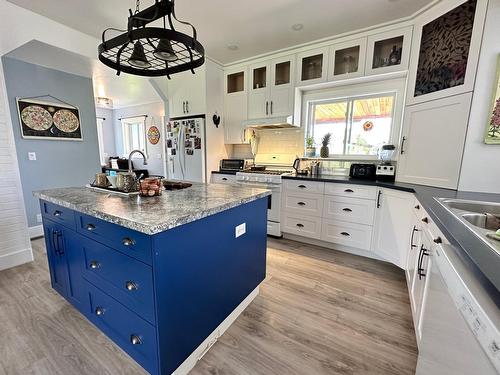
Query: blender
{"points": [[386, 171]]}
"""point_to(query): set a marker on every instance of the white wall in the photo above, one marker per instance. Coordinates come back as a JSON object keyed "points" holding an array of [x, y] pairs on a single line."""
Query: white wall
{"points": [[155, 112], [480, 169], [108, 130]]}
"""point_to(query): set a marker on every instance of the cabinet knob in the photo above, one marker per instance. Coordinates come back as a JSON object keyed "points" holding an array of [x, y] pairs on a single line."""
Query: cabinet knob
{"points": [[90, 227], [135, 340], [302, 186], [347, 210], [349, 191], [131, 286], [99, 311], [301, 203], [94, 264], [425, 220], [128, 242], [300, 225], [437, 240], [224, 179], [417, 207], [57, 213], [345, 234]]}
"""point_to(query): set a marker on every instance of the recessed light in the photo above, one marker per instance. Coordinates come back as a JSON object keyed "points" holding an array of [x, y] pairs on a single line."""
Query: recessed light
{"points": [[232, 47], [297, 27]]}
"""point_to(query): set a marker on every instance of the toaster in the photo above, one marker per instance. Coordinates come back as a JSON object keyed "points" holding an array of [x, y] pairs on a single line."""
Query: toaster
{"points": [[364, 171]]}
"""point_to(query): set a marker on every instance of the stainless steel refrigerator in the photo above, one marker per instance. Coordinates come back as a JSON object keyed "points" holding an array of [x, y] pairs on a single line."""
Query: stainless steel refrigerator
{"points": [[186, 149]]}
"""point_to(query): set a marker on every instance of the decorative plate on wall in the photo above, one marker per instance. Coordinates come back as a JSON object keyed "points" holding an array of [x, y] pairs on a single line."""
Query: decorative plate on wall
{"points": [[153, 135], [48, 120]]}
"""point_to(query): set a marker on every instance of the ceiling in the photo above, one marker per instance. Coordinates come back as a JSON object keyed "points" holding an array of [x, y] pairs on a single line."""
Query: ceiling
{"points": [[126, 90], [255, 27]]}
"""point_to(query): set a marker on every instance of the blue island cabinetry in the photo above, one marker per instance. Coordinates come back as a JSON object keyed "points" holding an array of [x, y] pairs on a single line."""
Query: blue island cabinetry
{"points": [[160, 297]]}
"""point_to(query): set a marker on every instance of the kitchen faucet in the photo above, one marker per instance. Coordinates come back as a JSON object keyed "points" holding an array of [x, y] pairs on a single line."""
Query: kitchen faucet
{"points": [[130, 170]]}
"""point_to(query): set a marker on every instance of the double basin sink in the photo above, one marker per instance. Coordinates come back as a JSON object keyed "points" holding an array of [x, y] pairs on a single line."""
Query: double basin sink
{"points": [[483, 218]]}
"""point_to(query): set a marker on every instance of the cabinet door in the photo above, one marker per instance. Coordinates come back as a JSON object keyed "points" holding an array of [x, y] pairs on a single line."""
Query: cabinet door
{"points": [[389, 51], [433, 140], [446, 43], [58, 265], [347, 60], [282, 86], [413, 249], [235, 105], [312, 66], [392, 219], [258, 91], [186, 94]]}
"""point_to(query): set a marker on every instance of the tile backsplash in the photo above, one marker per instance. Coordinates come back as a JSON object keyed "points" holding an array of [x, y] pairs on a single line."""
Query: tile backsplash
{"points": [[273, 141]]}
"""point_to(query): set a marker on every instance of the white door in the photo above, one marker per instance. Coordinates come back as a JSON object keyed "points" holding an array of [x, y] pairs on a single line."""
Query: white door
{"points": [[258, 91], [282, 86], [433, 141], [393, 217]]}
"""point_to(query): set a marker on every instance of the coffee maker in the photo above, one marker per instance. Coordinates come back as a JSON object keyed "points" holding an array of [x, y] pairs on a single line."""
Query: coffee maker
{"points": [[386, 170]]}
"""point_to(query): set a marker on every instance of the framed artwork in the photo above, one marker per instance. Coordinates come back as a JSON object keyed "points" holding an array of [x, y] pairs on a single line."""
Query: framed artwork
{"points": [[52, 121], [493, 126]]}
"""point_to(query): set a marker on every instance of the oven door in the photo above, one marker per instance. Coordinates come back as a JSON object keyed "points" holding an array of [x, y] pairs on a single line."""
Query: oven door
{"points": [[273, 201]]}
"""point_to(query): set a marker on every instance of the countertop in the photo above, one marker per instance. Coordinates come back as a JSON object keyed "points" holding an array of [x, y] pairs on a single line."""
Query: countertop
{"points": [[483, 261], [152, 215]]}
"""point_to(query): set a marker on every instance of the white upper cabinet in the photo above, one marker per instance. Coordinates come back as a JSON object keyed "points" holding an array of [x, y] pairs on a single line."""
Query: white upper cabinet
{"points": [[235, 105], [393, 217], [388, 51], [186, 94], [347, 60], [445, 50], [433, 141], [312, 66], [259, 90]]}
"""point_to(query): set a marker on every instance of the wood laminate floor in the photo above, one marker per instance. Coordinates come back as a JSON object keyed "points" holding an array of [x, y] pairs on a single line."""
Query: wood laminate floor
{"points": [[319, 312]]}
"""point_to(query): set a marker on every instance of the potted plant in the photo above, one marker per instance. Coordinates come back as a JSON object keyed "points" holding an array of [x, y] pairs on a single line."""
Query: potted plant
{"points": [[324, 151], [310, 148]]}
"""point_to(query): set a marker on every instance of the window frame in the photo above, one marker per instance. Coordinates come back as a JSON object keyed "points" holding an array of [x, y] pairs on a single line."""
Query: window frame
{"points": [[342, 93], [126, 134], [100, 139]]}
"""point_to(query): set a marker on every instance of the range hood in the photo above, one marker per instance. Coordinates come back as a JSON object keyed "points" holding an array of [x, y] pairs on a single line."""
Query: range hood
{"points": [[271, 123]]}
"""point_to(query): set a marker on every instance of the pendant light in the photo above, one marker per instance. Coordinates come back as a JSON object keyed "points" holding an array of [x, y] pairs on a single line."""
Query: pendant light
{"points": [[138, 57], [152, 51]]}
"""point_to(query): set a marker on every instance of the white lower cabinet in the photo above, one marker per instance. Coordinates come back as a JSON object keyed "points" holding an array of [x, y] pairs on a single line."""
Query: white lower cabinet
{"points": [[347, 234], [393, 217], [219, 178], [302, 225], [302, 203]]}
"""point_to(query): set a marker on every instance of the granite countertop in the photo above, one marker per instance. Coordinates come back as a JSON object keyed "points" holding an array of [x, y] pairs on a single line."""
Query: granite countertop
{"points": [[484, 262], [152, 215]]}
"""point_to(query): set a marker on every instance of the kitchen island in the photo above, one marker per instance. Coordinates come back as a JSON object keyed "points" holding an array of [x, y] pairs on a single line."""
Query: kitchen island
{"points": [[163, 277]]}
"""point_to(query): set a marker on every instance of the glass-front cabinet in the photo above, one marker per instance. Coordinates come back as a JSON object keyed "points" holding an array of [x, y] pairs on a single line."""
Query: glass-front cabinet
{"points": [[235, 105], [271, 90], [388, 51], [347, 60], [312, 66]]}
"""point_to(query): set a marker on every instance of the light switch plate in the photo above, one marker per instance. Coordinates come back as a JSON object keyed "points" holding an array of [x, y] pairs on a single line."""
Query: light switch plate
{"points": [[32, 156], [38, 218], [240, 230]]}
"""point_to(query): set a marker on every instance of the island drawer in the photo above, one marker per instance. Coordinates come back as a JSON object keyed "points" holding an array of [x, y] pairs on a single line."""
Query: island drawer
{"points": [[131, 333], [128, 241], [126, 279], [59, 214]]}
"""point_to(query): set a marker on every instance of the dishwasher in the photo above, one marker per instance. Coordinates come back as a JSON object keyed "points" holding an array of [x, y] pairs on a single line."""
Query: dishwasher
{"points": [[460, 322]]}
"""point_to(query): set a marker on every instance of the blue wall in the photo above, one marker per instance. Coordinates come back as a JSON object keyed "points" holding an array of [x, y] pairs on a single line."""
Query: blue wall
{"points": [[59, 163]]}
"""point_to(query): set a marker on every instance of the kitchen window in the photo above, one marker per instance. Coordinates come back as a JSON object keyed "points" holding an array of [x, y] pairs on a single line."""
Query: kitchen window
{"points": [[361, 118], [100, 140], [134, 134]]}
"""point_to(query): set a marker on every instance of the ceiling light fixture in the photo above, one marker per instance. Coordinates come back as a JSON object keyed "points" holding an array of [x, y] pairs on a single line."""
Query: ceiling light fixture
{"points": [[152, 51], [232, 47], [297, 27]]}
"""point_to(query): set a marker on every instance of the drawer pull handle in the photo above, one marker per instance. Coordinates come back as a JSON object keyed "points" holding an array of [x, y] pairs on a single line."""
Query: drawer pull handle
{"points": [[302, 186], [99, 311], [345, 234], [417, 207], [347, 210], [135, 340], [224, 179], [57, 213], [301, 203], [425, 220], [349, 191], [90, 227], [437, 240], [128, 242], [300, 225], [131, 286], [94, 264]]}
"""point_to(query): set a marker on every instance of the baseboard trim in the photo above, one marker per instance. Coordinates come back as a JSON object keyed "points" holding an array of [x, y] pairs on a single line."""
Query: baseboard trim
{"points": [[36, 231], [205, 346], [16, 258]]}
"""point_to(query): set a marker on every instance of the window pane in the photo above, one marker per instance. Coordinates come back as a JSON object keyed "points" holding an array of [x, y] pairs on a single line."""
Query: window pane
{"points": [[371, 125], [330, 118]]}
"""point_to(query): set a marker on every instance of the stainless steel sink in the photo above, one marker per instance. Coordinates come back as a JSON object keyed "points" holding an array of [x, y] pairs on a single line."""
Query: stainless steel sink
{"points": [[483, 218]]}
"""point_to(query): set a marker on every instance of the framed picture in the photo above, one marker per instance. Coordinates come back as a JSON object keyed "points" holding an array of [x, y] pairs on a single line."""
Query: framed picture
{"points": [[493, 126], [52, 121]]}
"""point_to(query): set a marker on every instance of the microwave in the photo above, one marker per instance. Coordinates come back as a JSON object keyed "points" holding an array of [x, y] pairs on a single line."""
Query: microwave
{"points": [[231, 165]]}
